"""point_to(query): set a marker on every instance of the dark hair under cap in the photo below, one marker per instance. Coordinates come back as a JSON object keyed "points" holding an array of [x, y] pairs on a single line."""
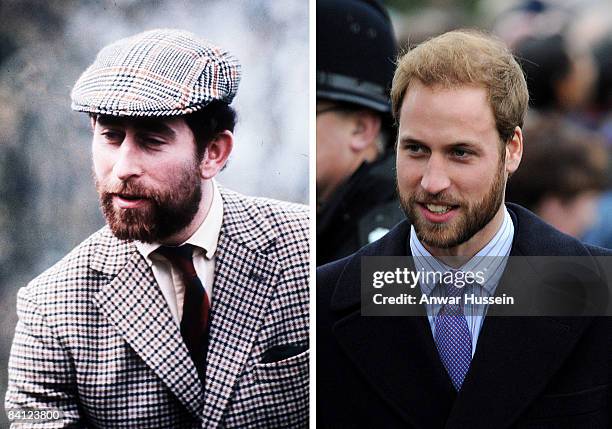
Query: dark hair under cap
{"points": [[206, 123]]}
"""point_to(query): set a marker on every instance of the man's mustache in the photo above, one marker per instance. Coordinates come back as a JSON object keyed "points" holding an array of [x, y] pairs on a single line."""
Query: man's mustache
{"points": [[436, 199], [127, 189]]}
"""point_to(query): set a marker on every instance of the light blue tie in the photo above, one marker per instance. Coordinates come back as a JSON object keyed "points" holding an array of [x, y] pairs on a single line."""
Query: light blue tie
{"points": [[453, 338]]}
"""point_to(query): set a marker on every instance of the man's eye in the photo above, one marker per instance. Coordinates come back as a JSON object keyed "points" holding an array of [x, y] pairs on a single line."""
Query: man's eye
{"points": [[112, 136], [152, 142], [414, 148], [460, 153]]}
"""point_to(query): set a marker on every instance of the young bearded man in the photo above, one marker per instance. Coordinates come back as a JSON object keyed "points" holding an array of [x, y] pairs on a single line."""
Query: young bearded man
{"points": [[190, 308], [460, 100]]}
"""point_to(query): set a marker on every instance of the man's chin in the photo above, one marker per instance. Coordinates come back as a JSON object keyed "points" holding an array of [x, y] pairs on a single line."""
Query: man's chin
{"points": [[132, 225], [133, 233], [438, 235], [437, 241]]}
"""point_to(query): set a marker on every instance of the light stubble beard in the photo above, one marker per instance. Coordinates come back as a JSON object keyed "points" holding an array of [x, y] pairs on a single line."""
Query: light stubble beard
{"points": [[462, 227], [166, 212]]}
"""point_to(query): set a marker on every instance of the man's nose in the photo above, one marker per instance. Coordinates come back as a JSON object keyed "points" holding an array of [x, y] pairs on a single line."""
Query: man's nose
{"points": [[129, 160], [435, 177]]}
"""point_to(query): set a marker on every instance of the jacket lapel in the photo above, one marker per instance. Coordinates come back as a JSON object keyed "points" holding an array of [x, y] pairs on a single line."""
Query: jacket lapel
{"points": [[134, 304], [245, 279], [396, 355]]}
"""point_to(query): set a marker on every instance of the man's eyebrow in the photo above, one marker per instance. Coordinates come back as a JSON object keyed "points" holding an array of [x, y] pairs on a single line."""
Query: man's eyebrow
{"points": [[141, 124], [412, 140]]}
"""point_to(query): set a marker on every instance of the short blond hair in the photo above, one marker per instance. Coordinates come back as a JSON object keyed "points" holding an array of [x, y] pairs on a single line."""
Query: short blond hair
{"points": [[467, 57]]}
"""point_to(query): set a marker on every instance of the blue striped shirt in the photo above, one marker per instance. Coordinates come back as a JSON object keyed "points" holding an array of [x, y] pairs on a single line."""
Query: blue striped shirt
{"points": [[490, 260]]}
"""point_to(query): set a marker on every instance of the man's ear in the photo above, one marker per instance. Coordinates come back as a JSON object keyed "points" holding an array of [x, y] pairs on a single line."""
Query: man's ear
{"points": [[514, 151], [216, 154], [366, 127]]}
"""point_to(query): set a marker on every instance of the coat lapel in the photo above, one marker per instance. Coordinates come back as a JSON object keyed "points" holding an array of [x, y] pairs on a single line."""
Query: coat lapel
{"points": [[412, 383], [396, 355], [516, 356], [245, 279], [134, 304], [515, 359]]}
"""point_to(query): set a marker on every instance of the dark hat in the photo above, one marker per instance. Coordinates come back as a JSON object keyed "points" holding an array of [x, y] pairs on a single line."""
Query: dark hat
{"points": [[356, 53], [545, 60], [157, 73]]}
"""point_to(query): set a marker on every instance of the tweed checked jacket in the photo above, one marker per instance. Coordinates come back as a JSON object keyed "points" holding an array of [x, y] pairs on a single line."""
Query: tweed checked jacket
{"points": [[97, 341]]}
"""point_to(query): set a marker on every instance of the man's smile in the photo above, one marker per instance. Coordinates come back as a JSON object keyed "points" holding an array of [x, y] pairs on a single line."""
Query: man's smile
{"points": [[439, 212]]}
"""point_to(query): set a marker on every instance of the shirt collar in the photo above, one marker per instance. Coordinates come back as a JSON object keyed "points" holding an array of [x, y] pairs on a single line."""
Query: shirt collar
{"points": [[205, 237], [491, 259]]}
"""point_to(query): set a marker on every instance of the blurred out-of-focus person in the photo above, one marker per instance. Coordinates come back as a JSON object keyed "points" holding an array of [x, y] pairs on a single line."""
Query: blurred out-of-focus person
{"points": [[558, 79], [563, 172]]}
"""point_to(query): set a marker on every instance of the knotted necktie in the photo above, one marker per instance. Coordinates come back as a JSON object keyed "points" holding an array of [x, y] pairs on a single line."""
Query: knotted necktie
{"points": [[453, 338], [196, 305]]}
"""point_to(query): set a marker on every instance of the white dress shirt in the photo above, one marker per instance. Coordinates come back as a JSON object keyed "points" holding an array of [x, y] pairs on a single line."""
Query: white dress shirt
{"points": [[205, 241], [491, 260]]}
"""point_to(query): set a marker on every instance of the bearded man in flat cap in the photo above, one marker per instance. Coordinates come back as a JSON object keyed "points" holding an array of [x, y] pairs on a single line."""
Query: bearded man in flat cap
{"points": [[189, 308]]}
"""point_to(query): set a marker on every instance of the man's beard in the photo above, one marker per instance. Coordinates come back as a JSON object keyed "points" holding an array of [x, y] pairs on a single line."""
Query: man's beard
{"points": [[464, 225], [165, 213]]}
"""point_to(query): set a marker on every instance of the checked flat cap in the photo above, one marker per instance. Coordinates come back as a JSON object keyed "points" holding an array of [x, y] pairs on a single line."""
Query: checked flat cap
{"points": [[156, 73]]}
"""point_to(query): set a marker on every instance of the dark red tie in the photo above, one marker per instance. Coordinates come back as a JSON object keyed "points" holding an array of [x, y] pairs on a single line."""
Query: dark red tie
{"points": [[196, 305]]}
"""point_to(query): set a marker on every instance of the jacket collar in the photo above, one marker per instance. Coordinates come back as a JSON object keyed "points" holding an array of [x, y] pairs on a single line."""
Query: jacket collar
{"points": [[134, 304], [109, 254]]}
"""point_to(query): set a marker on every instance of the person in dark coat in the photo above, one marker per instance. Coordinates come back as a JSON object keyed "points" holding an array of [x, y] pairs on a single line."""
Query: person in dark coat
{"points": [[356, 198]]}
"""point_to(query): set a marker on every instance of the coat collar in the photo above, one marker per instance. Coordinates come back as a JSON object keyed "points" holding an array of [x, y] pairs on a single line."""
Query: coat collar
{"points": [[510, 368], [109, 254], [395, 243], [245, 277]]}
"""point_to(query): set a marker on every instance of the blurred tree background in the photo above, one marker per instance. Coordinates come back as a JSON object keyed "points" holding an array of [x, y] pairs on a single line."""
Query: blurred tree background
{"points": [[48, 202]]}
